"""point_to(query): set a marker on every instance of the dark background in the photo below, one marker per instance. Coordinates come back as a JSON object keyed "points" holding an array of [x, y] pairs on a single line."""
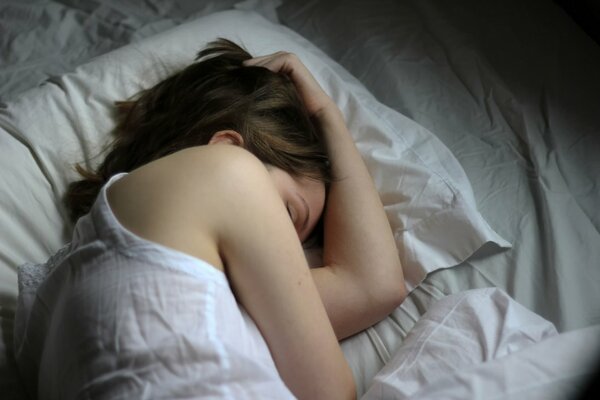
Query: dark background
{"points": [[586, 13]]}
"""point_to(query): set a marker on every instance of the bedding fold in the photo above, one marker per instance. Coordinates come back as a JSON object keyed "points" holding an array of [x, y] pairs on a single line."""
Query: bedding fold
{"points": [[481, 342]]}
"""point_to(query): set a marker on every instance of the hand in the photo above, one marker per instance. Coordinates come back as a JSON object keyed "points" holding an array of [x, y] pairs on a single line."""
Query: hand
{"points": [[314, 97]]}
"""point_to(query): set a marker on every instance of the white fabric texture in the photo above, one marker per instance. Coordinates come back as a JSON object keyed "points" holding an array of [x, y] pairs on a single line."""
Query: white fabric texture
{"points": [[560, 367], [481, 344], [427, 196], [124, 318], [522, 121]]}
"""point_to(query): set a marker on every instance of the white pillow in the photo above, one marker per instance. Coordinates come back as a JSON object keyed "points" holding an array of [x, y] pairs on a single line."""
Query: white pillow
{"points": [[428, 198]]}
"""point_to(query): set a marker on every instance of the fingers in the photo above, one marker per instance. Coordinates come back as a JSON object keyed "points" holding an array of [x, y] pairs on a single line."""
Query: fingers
{"points": [[254, 61], [313, 96], [284, 63], [260, 59], [277, 62]]}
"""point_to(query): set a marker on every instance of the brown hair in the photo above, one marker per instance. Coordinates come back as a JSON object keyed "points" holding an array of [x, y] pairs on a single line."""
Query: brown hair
{"points": [[214, 93]]}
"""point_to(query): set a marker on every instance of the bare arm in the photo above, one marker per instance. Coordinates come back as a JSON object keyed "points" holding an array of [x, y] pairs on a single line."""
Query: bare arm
{"points": [[269, 274], [362, 280]]}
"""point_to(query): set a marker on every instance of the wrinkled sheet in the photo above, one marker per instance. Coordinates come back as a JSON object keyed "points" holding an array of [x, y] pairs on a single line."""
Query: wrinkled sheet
{"points": [[43, 39], [512, 88], [481, 344], [40, 40]]}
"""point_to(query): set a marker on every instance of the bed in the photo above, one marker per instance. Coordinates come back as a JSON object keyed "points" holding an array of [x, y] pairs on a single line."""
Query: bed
{"points": [[487, 109]]}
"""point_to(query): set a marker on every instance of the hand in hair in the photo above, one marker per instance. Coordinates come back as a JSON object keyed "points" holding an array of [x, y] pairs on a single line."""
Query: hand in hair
{"points": [[314, 97]]}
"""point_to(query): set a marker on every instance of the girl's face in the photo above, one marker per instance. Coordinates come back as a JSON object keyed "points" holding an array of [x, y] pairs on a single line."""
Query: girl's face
{"points": [[304, 199]]}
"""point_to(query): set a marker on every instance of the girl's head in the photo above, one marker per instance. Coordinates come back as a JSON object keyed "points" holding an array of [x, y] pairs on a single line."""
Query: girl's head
{"points": [[214, 94]]}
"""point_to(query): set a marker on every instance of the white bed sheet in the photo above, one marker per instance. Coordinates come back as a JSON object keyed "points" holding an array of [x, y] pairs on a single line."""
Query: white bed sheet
{"points": [[481, 344], [512, 88], [44, 39]]}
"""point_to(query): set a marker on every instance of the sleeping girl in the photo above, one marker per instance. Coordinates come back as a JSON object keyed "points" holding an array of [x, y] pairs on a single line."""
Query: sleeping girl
{"points": [[185, 276]]}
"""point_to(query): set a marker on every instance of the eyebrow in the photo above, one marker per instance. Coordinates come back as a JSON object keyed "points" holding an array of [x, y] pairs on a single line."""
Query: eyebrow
{"points": [[305, 223]]}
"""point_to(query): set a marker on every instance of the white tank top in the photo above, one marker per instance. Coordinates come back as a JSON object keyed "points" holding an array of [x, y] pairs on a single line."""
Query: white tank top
{"points": [[121, 317]]}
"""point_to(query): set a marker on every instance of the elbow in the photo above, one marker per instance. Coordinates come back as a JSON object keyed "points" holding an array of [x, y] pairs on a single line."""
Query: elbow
{"points": [[390, 293], [384, 300], [340, 385], [402, 293], [397, 287], [395, 295]]}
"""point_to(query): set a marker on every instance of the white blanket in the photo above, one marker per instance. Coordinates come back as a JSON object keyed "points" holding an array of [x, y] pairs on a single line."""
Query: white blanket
{"points": [[481, 344]]}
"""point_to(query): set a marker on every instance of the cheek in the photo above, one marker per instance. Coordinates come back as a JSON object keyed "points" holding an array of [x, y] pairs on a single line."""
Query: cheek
{"points": [[318, 200], [321, 203]]}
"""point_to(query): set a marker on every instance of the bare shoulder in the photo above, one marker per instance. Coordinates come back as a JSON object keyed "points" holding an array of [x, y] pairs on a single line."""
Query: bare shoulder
{"points": [[193, 172], [183, 200], [211, 154], [222, 172]]}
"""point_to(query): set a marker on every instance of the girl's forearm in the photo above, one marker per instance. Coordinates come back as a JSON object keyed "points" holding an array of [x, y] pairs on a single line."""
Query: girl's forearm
{"points": [[362, 279], [358, 240]]}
